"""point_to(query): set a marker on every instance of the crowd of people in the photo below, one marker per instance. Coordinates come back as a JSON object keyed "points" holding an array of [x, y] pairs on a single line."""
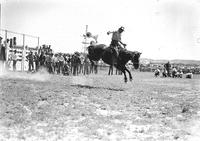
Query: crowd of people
{"points": [[2, 53], [44, 58], [171, 71], [58, 63]]}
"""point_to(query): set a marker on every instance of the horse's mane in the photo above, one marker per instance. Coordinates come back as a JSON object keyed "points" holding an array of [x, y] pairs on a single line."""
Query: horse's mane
{"points": [[97, 46], [130, 52], [125, 51]]}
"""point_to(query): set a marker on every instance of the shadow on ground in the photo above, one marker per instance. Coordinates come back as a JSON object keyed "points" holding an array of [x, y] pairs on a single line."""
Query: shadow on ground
{"points": [[93, 87]]}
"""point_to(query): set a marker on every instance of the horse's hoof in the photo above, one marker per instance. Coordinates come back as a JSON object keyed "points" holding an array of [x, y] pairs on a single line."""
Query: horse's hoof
{"points": [[125, 80]]}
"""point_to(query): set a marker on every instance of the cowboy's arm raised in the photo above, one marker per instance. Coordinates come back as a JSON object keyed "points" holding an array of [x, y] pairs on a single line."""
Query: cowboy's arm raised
{"points": [[110, 32]]}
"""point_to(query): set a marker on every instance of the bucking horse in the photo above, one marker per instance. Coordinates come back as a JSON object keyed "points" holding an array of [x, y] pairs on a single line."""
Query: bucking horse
{"points": [[101, 51]]}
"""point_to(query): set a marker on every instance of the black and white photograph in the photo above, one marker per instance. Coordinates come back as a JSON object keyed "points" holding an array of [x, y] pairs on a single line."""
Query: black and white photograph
{"points": [[99, 70]]}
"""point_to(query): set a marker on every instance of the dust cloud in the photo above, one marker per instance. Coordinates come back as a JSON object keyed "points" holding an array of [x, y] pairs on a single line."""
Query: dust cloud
{"points": [[41, 75]]}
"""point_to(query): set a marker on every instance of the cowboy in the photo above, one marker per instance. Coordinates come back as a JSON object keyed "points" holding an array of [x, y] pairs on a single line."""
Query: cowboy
{"points": [[36, 59], [116, 42], [42, 59], [49, 62], [116, 38], [2, 51], [55, 63], [60, 62], [91, 39], [30, 58], [0, 40]]}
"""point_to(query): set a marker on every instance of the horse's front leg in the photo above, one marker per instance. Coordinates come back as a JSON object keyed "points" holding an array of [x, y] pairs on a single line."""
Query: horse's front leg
{"points": [[122, 69], [124, 72], [130, 76]]}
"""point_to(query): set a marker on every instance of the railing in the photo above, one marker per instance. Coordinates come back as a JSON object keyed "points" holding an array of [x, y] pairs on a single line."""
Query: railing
{"points": [[22, 49]]}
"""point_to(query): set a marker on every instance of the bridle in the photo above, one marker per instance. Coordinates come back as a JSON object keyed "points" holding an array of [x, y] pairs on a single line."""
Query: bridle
{"points": [[135, 59]]}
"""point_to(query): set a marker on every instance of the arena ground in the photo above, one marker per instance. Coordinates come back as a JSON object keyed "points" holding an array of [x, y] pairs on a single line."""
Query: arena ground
{"points": [[98, 107]]}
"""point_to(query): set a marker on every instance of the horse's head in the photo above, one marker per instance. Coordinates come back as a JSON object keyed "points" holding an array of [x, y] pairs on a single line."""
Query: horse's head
{"points": [[136, 59]]}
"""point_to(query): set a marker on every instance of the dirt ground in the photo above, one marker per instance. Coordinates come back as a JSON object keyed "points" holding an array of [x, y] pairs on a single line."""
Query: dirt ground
{"points": [[98, 107]]}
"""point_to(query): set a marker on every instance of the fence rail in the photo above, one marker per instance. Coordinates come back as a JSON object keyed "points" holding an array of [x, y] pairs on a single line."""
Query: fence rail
{"points": [[22, 50], [18, 33]]}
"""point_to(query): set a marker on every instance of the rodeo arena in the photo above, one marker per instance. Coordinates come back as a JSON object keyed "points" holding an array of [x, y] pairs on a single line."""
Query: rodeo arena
{"points": [[21, 57], [24, 58], [81, 96]]}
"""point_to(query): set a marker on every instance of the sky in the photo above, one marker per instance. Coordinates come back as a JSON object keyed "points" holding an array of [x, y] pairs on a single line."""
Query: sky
{"points": [[160, 29]]}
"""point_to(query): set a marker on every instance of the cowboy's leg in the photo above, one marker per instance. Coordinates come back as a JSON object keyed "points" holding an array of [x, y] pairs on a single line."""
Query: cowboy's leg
{"points": [[36, 66], [32, 66], [59, 67], [29, 66], [49, 67], [14, 65]]}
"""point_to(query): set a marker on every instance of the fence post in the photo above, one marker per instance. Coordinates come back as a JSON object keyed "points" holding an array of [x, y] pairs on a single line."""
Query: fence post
{"points": [[38, 46], [85, 46], [6, 47], [23, 53]]}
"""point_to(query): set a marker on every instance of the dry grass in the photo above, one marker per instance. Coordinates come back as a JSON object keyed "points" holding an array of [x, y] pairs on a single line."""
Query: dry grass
{"points": [[98, 107]]}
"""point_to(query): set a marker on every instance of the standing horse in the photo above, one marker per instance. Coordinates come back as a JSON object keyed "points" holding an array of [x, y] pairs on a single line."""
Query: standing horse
{"points": [[98, 52]]}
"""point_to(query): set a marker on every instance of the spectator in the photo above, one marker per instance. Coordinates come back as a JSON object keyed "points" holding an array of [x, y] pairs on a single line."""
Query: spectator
{"points": [[49, 63], [157, 72], [2, 55], [36, 59], [14, 59], [42, 59], [30, 58], [2, 51], [60, 63], [55, 63]]}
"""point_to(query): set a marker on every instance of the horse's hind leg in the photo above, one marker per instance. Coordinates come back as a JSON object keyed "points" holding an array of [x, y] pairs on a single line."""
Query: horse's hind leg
{"points": [[110, 70]]}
